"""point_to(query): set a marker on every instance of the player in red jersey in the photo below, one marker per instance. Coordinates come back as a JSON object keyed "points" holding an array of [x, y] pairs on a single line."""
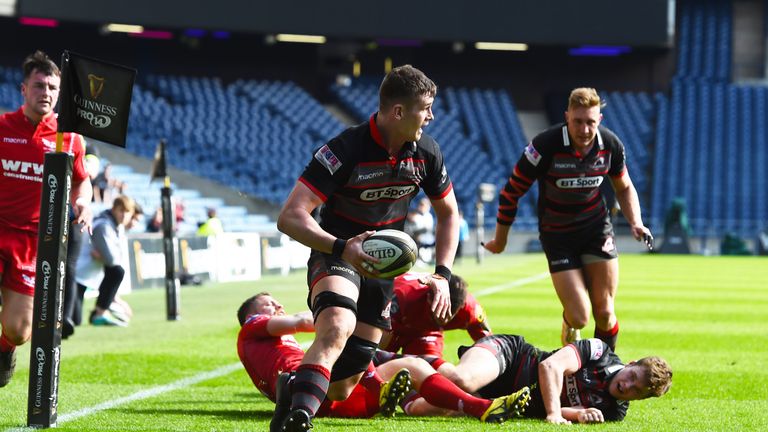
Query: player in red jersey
{"points": [[267, 348], [417, 330], [269, 352], [570, 161], [25, 136]]}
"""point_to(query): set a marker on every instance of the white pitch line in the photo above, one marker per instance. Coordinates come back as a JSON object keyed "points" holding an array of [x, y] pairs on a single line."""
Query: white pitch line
{"points": [[516, 283], [151, 392], [144, 394]]}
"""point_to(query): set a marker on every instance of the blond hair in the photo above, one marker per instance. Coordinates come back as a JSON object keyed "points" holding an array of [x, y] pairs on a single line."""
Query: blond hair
{"points": [[659, 375], [124, 203], [585, 97]]}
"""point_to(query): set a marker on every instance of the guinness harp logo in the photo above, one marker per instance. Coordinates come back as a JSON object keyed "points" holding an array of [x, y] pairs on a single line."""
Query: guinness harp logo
{"points": [[96, 84]]}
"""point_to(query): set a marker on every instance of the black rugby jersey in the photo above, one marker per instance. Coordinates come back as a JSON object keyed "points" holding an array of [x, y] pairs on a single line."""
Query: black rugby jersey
{"points": [[364, 188], [569, 183], [588, 387]]}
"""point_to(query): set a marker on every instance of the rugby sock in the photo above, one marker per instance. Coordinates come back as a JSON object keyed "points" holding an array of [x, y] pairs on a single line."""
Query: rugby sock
{"points": [[6, 345], [609, 337], [405, 404], [442, 392], [310, 387], [371, 380]]}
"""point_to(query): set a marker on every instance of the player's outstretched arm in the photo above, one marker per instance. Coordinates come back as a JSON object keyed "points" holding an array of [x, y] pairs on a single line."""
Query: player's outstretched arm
{"points": [[301, 322], [552, 371]]}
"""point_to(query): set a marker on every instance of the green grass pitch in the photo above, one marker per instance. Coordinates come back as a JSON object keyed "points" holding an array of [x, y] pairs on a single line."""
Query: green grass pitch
{"points": [[708, 316]]}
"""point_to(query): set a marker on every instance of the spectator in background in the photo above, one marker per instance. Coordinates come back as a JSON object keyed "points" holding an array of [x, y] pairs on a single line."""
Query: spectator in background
{"points": [[106, 249], [422, 225], [155, 223], [72, 301], [463, 234], [26, 135], [212, 226], [106, 187], [178, 212]]}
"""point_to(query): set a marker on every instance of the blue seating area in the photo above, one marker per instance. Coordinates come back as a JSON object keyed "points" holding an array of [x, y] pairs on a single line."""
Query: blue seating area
{"points": [[479, 134], [711, 134], [255, 136]]}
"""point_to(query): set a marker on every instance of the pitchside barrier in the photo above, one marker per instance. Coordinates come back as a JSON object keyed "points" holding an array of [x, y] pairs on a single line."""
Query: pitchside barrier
{"points": [[222, 258]]}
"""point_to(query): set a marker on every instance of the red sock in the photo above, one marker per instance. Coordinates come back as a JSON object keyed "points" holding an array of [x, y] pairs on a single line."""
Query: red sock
{"points": [[6, 345], [371, 380], [441, 392], [609, 337]]}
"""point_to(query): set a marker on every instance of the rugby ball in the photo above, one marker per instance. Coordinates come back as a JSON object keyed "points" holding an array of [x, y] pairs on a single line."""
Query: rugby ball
{"points": [[395, 250]]}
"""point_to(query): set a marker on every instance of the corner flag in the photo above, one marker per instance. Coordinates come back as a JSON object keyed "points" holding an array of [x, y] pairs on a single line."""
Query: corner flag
{"points": [[95, 101], [95, 98]]}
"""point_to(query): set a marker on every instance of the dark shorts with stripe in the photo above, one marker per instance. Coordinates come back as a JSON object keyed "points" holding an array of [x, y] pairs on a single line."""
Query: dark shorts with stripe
{"points": [[572, 250], [375, 298], [518, 363]]}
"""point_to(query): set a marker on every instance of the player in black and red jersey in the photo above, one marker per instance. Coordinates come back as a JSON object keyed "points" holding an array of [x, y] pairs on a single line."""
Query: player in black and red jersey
{"points": [[570, 162], [583, 382], [417, 330], [364, 179]]}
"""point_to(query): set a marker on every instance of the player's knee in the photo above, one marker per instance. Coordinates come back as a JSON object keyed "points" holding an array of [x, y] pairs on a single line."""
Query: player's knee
{"points": [[18, 333], [334, 337], [354, 359], [577, 319], [604, 315]]}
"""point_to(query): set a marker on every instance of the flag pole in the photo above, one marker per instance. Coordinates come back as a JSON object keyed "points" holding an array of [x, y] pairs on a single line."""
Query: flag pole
{"points": [[172, 285]]}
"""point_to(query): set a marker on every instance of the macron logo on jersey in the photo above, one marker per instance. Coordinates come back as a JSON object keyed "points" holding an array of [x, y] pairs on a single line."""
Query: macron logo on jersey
{"points": [[533, 156], [11, 140], [329, 160]]}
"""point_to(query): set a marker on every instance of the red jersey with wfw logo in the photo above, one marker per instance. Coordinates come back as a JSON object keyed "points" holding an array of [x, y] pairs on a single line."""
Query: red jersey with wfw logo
{"points": [[22, 153]]}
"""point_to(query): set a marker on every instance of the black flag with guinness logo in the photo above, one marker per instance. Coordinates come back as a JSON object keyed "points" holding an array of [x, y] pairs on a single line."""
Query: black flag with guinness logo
{"points": [[95, 98]]}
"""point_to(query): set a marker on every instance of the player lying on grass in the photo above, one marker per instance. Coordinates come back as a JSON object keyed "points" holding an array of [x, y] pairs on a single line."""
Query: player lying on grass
{"points": [[582, 382], [267, 349], [416, 329]]}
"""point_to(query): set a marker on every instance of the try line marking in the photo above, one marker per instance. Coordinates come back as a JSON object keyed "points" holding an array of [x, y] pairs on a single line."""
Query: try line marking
{"points": [[515, 283], [224, 370], [144, 394]]}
